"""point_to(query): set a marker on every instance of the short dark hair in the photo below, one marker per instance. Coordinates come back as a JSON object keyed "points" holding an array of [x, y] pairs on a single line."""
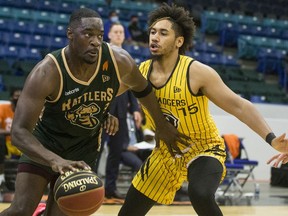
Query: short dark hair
{"points": [[182, 22], [112, 12], [78, 14]]}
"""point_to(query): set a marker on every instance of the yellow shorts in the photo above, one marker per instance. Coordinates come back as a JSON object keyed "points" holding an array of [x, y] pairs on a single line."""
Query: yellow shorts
{"points": [[162, 175]]}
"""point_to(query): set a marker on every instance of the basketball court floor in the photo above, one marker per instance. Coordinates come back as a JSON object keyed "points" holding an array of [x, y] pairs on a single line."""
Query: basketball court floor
{"points": [[108, 210], [272, 201]]}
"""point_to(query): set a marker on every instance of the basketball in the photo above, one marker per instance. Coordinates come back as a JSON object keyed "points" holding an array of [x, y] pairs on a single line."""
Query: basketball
{"points": [[79, 193]]}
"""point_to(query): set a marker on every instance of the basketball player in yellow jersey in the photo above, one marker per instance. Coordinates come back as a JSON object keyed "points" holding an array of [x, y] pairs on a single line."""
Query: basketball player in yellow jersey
{"points": [[183, 87]]}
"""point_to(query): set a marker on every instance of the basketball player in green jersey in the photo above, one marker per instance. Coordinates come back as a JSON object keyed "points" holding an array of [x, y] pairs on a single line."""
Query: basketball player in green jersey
{"points": [[183, 87], [70, 89]]}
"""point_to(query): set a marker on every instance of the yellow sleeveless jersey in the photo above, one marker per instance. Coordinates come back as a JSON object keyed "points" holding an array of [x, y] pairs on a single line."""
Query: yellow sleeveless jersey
{"points": [[162, 175]]}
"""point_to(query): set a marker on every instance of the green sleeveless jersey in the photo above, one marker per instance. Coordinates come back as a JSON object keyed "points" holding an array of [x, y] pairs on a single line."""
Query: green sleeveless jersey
{"points": [[70, 125]]}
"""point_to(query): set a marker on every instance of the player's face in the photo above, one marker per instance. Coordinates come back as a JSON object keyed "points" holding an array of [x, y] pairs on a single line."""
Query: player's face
{"points": [[86, 39], [162, 38], [116, 35]]}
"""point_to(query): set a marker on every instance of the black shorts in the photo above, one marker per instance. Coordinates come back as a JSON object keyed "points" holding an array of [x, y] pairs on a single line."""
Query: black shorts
{"points": [[29, 166]]}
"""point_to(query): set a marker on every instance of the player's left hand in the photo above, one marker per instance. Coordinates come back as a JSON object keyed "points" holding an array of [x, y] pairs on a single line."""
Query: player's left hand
{"points": [[111, 125], [280, 144], [281, 158]]}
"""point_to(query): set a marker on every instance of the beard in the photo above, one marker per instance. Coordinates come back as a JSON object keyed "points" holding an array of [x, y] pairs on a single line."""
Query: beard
{"points": [[156, 57], [90, 60]]}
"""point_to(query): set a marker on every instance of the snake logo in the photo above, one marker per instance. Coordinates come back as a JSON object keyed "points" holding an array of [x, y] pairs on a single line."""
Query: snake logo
{"points": [[170, 117], [84, 116]]}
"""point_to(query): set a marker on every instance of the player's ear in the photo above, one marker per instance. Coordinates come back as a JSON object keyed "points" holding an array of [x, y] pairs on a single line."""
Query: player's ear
{"points": [[179, 41], [69, 33]]}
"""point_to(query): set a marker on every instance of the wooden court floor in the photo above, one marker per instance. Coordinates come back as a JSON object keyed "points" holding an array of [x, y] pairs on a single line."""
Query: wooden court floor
{"points": [[112, 210]]}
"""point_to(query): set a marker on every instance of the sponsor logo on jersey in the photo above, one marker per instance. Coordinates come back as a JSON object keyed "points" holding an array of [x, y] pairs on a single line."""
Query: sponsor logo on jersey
{"points": [[71, 91]]}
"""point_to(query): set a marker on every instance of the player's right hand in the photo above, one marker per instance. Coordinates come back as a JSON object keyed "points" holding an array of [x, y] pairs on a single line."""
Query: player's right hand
{"points": [[172, 138], [63, 166]]}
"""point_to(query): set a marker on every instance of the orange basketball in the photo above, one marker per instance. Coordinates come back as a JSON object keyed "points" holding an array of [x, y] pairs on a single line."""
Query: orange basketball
{"points": [[79, 193]]}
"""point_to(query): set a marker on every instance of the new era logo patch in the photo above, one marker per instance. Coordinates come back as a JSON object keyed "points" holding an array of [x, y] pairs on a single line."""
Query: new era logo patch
{"points": [[105, 78], [176, 89]]}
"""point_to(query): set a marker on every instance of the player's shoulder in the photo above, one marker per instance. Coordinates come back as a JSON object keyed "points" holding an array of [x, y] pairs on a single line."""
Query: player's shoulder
{"points": [[118, 51], [121, 56]]}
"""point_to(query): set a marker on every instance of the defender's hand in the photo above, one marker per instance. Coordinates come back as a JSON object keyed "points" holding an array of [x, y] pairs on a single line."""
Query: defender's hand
{"points": [[278, 159], [111, 124], [171, 136]]}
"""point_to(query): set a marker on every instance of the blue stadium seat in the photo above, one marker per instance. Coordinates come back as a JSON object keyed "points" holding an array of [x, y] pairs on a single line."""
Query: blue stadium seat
{"points": [[210, 22], [228, 34], [38, 41], [58, 30], [284, 34], [29, 54], [16, 39], [9, 52], [272, 32], [28, 4], [270, 22], [23, 4], [57, 42], [6, 25], [7, 12], [229, 60], [194, 54], [134, 50], [245, 48], [257, 99], [9, 3], [103, 11], [272, 61], [42, 28], [248, 20], [67, 7], [61, 18], [24, 14], [20, 26], [49, 5], [208, 47], [43, 16], [211, 58]]}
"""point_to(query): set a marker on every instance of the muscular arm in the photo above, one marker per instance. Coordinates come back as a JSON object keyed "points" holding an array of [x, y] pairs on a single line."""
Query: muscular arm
{"points": [[205, 78], [42, 82]]}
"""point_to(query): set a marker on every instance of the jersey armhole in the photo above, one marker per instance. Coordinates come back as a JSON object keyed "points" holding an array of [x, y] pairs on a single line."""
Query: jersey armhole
{"points": [[61, 79]]}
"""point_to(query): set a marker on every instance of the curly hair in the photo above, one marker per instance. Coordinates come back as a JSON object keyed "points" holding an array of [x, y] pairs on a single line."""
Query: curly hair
{"points": [[182, 23]]}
